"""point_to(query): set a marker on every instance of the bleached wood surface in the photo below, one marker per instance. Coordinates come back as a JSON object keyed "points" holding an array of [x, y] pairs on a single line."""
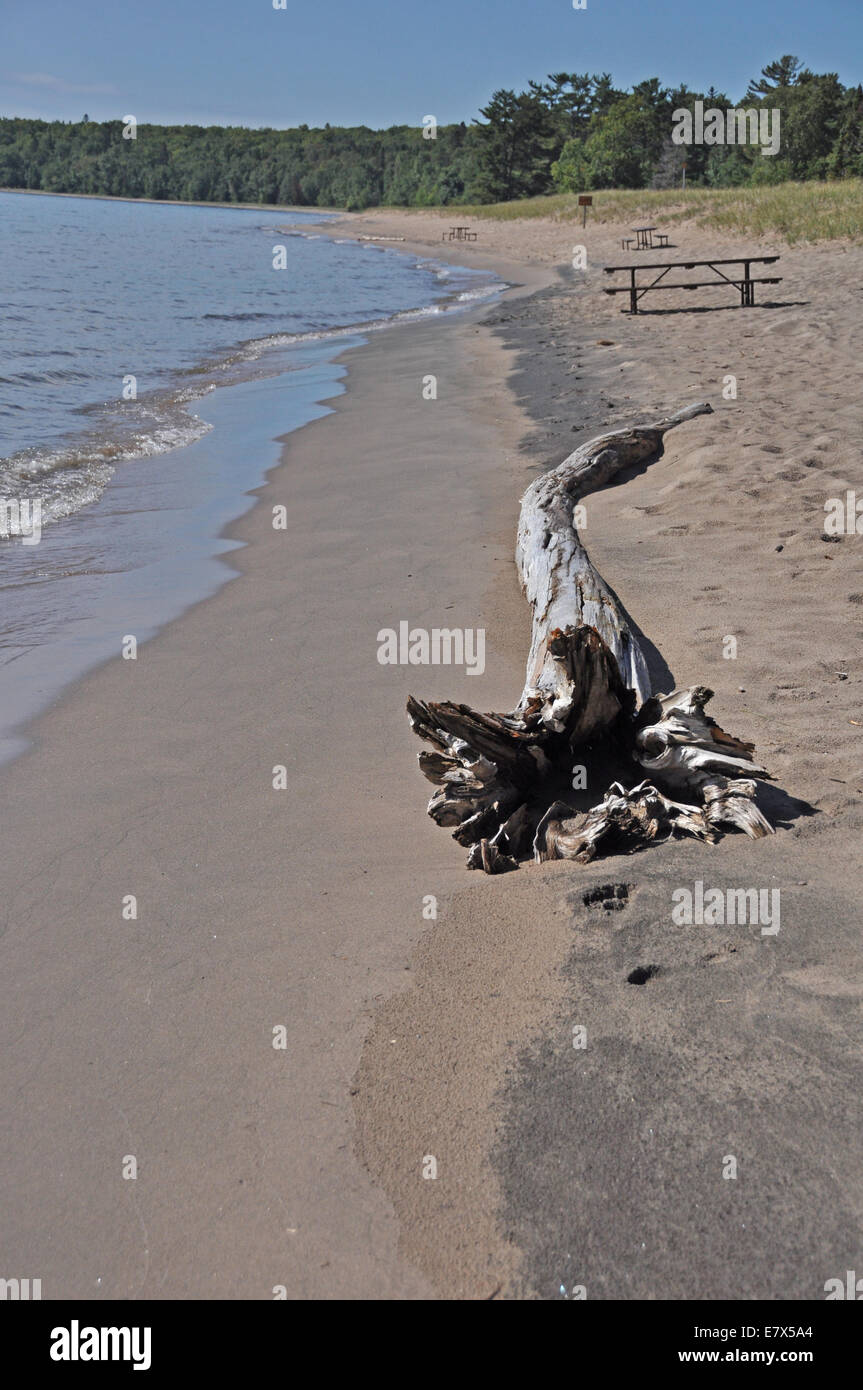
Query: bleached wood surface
{"points": [[499, 775]]}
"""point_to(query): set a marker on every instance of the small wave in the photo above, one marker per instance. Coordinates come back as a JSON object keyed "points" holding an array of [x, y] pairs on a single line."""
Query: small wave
{"points": [[44, 377], [66, 477], [481, 292], [255, 347], [71, 474], [241, 318]]}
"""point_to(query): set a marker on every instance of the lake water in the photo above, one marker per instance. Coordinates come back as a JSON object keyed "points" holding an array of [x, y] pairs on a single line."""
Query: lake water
{"points": [[120, 322]]}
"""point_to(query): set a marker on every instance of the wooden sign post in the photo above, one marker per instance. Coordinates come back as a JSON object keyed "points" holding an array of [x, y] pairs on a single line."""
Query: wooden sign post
{"points": [[584, 201]]}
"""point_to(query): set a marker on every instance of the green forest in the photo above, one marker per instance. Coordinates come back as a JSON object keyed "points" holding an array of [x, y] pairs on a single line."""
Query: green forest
{"points": [[569, 133]]}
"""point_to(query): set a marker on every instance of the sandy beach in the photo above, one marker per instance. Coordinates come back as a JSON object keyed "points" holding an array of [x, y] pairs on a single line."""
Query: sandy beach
{"points": [[301, 1166]]}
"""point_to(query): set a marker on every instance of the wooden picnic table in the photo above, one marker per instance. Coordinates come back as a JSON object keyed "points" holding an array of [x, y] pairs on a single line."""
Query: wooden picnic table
{"points": [[644, 238], [745, 283], [459, 234], [661, 240]]}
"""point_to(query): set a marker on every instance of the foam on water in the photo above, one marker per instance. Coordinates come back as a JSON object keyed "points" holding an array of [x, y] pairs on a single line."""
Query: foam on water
{"points": [[164, 294], [135, 494]]}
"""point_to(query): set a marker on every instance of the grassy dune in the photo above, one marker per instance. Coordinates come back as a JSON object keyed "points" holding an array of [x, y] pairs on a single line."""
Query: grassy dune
{"points": [[795, 211]]}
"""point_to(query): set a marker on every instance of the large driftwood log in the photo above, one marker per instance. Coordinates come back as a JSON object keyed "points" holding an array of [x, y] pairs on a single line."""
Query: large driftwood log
{"points": [[587, 691]]}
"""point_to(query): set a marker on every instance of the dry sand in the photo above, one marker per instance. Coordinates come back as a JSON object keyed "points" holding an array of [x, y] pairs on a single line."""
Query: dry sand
{"points": [[556, 1166], [603, 1168]]}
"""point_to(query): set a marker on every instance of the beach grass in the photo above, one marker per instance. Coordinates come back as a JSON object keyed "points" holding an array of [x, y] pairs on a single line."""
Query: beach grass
{"points": [[798, 212]]}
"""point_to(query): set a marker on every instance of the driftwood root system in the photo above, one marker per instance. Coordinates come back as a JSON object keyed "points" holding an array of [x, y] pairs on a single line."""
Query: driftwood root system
{"points": [[503, 781]]}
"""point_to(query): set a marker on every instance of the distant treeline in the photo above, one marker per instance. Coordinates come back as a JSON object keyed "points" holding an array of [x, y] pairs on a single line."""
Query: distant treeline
{"points": [[575, 131]]}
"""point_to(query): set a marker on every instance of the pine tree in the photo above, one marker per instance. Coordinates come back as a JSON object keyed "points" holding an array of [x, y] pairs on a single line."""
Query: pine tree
{"points": [[784, 72]]}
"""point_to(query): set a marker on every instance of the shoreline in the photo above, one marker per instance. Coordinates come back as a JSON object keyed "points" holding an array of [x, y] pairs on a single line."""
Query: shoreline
{"points": [[53, 663], [170, 529], [161, 786], [175, 202]]}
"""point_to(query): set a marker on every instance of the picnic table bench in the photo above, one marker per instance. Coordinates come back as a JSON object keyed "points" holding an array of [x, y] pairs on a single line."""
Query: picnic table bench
{"points": [[745, 283], [459, 234]]}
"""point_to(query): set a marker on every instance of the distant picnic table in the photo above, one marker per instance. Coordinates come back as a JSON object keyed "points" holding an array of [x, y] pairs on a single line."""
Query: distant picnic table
{"points": [[459, 234], [744, 282], [644, 239]]}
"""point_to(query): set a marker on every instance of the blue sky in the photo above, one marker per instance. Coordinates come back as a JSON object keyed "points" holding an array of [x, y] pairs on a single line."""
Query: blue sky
{"points": [[385, 62]]}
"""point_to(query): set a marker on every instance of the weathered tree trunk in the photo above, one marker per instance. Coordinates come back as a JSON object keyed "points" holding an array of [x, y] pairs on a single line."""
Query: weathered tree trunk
{"points": [[586, 688]]}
